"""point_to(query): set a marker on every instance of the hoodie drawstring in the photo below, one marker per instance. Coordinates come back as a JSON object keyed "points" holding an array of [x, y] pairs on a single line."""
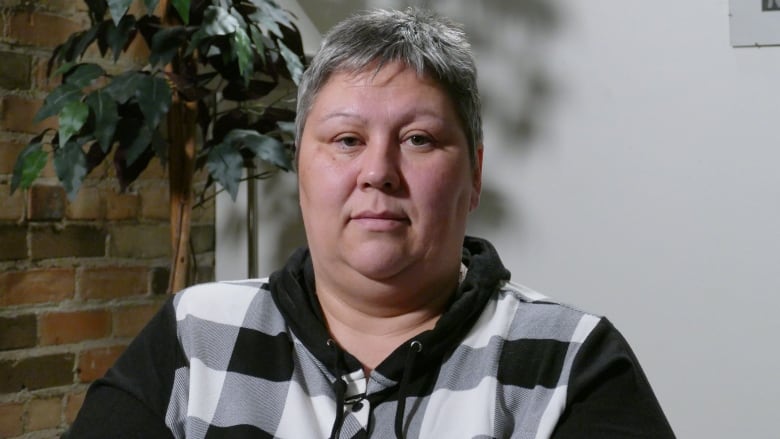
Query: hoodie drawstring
{"points": [[340, 388], [414, 348]]}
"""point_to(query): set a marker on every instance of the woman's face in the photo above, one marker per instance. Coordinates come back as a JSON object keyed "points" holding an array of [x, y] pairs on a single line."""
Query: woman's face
{"points": [[385, 178]]}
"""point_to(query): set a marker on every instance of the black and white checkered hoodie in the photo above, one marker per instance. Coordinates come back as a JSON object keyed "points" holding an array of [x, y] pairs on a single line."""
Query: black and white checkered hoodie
{"points": [[253, 359]]}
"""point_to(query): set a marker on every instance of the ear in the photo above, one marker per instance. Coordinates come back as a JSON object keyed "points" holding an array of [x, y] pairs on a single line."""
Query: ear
{"points": [[476, 187]]}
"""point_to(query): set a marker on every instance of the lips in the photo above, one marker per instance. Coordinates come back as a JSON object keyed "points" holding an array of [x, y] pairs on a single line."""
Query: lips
{"points": [[380, 221]]}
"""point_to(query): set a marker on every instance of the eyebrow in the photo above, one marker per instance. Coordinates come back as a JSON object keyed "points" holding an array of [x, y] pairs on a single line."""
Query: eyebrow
{"points": [[345, 114], [410, 115]]}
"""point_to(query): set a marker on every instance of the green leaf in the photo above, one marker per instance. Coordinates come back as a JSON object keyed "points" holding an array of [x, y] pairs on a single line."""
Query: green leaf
{"points": [[266, 18], [293, 62], [84, 40], [217, 21], [72, 118], [151, 5], [258, 40], [105, 110], [29, 164], [154, 99], [134, 139], [118, 9], [97, 10], [224, 164], [124, 86], [84, 74], [183, 8], [264, 147], [141, 142], [272, 9], [160, 146], [56, 100], [117, 35], [243, 49], [63, 68], [166, 43], [70, 163]]}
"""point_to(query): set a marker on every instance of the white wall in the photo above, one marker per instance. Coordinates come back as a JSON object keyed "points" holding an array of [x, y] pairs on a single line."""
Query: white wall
{"points": [[641, 180]]}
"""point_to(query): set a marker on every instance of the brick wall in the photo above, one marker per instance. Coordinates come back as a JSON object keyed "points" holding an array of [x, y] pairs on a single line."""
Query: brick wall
{"points": [[77, 279]]}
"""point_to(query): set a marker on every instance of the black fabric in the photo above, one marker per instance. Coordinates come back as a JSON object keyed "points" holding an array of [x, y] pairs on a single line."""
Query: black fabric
{"points": [[609, 396], [294, 293], [530, 362], [117, 402], [237, 431], [251, 344]]}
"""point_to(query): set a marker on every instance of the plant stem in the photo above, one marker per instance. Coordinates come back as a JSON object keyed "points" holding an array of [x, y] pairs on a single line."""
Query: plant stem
{"points": [[182, 119]]}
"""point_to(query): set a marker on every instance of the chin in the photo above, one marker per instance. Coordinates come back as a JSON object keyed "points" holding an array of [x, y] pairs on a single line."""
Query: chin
{"points": [[379, 262]]}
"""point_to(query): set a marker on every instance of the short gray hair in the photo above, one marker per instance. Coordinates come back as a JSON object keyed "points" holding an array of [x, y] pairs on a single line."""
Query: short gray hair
{"points": [[426, 42]]}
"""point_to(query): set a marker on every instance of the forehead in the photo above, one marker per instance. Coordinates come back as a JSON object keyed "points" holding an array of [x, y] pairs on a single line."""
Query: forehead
{"points": [[384, 87]]}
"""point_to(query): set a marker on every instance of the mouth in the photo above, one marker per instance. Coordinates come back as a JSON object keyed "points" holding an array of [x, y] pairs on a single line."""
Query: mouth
{"points": [[380, 221]]}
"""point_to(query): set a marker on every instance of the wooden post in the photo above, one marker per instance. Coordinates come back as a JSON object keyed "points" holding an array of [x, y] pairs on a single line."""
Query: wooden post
{"points": [[182, 120]]}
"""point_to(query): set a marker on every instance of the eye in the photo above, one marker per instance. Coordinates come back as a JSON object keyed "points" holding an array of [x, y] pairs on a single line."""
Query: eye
{"points": [[419, 140], [348, 141]]}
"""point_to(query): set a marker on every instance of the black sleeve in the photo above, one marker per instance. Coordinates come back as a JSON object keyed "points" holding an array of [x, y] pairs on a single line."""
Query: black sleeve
{"points": [[609, 395], [131, 400]]}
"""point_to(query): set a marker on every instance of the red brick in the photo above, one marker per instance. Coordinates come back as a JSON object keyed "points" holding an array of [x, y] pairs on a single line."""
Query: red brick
{"points": [[94, 363], [113, 282], [35, 373], [40, 75], [18, 332], [129, 321], [202, 238], [73, 405], [137, 52], [15, 71], [143, 241], [14, 241], [155, 202], [122, 206], [9, 151], [18, 114], [88, 205], [36, 286], [38, 29], [43, 414], [62, 6], [204, 273], [46, 203], [72, 327], [154, 171], [204, 213], [160, 278], [11, 419], [81, 241], [12, 205]]}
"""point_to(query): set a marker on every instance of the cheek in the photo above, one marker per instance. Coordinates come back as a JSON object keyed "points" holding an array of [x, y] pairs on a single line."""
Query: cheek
{"points": [[321, 184], [446, 194]]}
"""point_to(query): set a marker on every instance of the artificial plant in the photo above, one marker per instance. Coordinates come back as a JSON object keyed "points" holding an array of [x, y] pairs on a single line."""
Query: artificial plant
{"points": [[214, 92]]}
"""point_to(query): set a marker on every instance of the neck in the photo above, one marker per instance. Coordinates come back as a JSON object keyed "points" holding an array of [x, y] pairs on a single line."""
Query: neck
{"points": [[372, 324]]}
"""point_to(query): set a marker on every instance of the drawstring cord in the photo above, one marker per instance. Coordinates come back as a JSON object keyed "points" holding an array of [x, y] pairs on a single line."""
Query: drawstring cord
{"points": [[414, 348], [340, 388]]}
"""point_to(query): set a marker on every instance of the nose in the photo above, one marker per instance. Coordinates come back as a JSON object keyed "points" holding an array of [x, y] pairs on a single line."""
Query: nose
{"points": [[380, 166]]}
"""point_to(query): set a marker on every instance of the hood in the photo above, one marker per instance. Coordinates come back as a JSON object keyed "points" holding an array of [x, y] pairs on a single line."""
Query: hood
{"points": [[294, 290]]}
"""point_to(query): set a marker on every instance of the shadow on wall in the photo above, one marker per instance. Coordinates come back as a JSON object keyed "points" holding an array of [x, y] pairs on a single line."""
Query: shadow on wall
{"points": [[509, 41]]}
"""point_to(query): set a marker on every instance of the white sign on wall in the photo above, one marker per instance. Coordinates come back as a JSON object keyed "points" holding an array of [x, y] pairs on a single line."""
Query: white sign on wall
{"points": [[755, 22]]}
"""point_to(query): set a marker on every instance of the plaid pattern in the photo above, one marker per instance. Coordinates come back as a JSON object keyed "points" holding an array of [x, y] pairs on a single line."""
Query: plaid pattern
{"points": [[249, 376], [252, 359]]}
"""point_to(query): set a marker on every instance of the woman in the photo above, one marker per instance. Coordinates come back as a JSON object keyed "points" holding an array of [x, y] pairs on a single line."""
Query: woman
{"points": [[391, 323]]}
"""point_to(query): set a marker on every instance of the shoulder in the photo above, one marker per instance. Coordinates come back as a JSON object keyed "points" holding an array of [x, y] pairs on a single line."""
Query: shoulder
{"points": [[224, 302], [535, 315]]}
